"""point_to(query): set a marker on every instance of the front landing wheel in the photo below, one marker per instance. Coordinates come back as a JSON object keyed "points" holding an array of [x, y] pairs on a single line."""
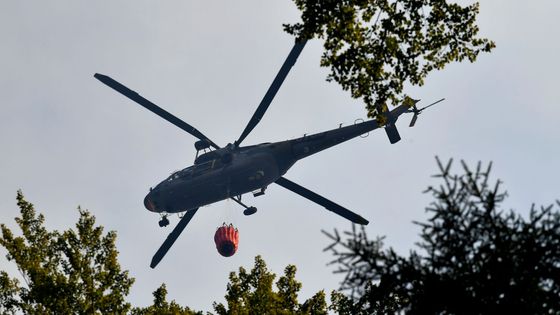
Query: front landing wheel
{"points": [[163, 222]]}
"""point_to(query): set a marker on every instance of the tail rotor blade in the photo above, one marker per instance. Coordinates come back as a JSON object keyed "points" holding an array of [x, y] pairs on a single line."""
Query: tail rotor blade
{"points": [[171, 238], [434, 103], [413, 121]]}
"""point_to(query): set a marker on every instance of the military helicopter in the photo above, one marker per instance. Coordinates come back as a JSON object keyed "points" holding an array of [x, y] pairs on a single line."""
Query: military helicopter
{"points": [[226, 172]]}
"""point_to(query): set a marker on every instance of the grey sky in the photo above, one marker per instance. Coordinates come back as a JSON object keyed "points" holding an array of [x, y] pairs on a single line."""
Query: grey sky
{"points": [[68, 140]]}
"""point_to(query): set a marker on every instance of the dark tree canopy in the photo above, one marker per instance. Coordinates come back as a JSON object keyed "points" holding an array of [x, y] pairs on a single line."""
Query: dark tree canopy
{"points": [[162, 306], [474, 258], [374, 47], [71, 272], [252, 293]]}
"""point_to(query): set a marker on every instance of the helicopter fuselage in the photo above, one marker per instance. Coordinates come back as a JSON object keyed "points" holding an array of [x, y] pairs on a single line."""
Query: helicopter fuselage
{"points": [[233, 171]]}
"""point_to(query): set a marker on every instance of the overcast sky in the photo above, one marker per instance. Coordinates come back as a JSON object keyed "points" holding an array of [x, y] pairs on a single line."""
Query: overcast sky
{"points": [[68, 140]]}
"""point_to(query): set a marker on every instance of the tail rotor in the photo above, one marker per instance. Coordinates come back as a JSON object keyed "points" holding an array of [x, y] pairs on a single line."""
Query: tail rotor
{"points": [[417, 111]]}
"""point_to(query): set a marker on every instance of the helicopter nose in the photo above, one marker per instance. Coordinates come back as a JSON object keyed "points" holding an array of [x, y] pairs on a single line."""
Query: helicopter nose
{"points": [[149, 204]]}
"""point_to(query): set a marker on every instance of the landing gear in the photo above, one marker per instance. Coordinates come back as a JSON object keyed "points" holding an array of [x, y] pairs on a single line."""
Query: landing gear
{"points": [[248, 210], [164, 221]]}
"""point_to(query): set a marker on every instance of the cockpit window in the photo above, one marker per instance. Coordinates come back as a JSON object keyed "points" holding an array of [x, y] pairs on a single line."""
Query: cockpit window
{"points": [[173, 176], [206, 157], [195, 170]]}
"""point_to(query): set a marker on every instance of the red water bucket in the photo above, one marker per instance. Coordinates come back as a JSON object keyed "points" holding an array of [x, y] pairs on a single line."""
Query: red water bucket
{"points": [[227, 240]]}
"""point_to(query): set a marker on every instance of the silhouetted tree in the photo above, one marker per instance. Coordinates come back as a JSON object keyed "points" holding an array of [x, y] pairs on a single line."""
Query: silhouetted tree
{"points": [[71, 272], [474, 258], [373, 47], [161, 306], [252, 293]]}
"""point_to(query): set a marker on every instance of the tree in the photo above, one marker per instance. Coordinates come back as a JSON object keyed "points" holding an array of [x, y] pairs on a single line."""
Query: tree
{"points": [[252, 293], [373, 47], [71, 272], [475, 258], [161, 306], [77, 272], [8, 293]]}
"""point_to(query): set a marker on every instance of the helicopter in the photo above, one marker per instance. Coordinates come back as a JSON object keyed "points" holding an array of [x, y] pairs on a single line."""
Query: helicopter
{"points": [[229, 172]]}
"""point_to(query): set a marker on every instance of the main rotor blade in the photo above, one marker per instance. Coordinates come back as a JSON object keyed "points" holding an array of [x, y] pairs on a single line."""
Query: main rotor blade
{"points": [[272, 90], [152, 107], [329, 205], [172, 237]]}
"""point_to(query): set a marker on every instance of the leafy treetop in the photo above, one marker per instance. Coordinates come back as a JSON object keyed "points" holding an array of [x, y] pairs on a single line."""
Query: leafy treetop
{"points": [[71, 272], [373, 47], [252, 293], [77, 272], [161, 306]]}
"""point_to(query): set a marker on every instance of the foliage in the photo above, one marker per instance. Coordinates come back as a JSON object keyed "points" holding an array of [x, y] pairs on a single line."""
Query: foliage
{"points": [[374, 46], [475, 258], [8, 294], [71, 272], [252, 293], [77, 272], [161, 306]]}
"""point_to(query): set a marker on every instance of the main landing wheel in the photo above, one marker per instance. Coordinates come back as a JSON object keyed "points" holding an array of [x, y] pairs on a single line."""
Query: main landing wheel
{"points": [[164, 221], [250, 211]]}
